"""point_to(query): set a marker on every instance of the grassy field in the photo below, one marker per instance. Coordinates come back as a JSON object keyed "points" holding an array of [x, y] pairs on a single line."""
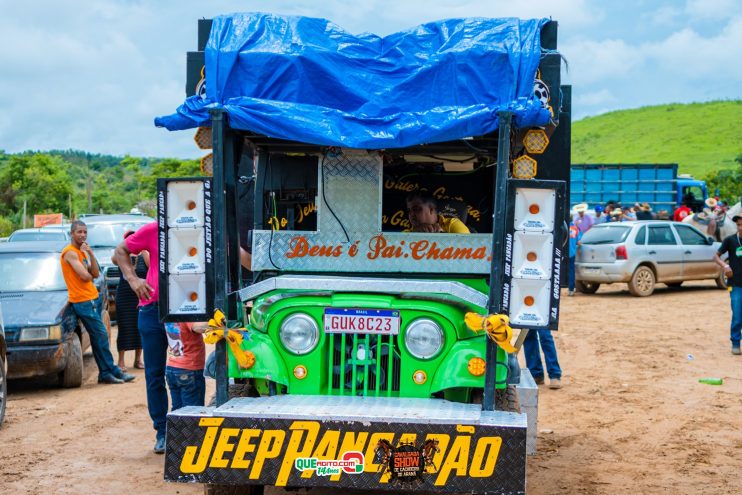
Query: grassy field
{"points": [[700, 137]]}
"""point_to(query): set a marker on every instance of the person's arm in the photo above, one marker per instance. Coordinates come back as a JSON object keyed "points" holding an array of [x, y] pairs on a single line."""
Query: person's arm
{"points": [[723, 264], [80, 270], [245, 258], [145, 256], [140, 286], [92, 262], [199, 326]]}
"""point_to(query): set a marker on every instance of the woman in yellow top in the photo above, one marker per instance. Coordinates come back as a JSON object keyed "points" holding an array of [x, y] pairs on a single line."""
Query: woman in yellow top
{"points": [[422, 211]]}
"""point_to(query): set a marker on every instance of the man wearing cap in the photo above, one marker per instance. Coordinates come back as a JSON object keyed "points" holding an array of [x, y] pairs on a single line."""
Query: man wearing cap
{"points": [[599, 217], [733, 271], [582, 221]]}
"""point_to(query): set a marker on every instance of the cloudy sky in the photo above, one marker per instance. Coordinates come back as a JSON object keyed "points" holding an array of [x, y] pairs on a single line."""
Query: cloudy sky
{"points": [[92, 74]]}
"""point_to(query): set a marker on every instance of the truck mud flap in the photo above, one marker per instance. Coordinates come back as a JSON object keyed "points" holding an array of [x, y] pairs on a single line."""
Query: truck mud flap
{"points": [[349, 442]]}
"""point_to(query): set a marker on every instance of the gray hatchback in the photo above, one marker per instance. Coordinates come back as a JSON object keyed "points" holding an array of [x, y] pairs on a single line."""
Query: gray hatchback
{"points": [[644, 253]]}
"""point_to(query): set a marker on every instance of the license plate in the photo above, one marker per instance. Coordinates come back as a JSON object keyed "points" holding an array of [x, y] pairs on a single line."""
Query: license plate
{"points": [[371, 321], [591, 271]]}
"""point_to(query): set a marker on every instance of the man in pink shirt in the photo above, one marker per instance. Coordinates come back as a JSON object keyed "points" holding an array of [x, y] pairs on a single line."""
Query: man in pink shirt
{"points": [[151, 329]]}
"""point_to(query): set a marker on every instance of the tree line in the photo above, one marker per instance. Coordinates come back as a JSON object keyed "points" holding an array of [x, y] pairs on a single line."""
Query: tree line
{"points": [[72, 182]]}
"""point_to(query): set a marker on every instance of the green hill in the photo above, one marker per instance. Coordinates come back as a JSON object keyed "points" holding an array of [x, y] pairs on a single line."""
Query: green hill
{"points": [[700, 137]]}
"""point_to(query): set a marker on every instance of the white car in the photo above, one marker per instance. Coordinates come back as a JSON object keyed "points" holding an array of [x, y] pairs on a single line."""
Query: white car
{"points": [[644, 253]]}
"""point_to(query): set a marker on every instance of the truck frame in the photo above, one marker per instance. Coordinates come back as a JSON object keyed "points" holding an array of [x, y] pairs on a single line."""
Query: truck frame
{"points": [[359, 355]]}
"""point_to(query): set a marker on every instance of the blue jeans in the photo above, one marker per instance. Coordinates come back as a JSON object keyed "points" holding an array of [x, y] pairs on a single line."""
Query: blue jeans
{"points": [[736, 327], [533, 355], [154, 350], [571, 273], [187, 387], [89, 314]]}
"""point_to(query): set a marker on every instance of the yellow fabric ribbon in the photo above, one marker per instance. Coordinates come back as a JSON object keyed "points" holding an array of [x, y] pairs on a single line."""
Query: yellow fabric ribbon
{"points": [[217, 324], [497, 327]]}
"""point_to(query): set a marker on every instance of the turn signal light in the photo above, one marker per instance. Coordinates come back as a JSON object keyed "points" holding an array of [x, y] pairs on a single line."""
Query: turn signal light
{"points": [[419, 377], [476, 366], [300, 372]]}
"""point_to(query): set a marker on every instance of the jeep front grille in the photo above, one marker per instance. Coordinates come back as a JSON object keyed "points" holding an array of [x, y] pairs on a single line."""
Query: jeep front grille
{"points": [[363, 365]]}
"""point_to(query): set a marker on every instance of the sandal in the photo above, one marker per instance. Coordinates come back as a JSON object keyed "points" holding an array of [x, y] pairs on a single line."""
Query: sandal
{"points": [[123, 369], [139, 365]]}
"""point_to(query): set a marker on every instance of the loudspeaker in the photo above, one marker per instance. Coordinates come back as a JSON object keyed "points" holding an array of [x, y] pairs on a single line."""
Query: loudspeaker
{"points": [[530, 302], [186, 268], [185, 204], [186, 251], [187, 294], [534, 209], [533, 251], [532, 255]]}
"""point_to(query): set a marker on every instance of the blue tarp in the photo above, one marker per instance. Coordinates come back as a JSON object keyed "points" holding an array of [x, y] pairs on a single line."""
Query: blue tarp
{"points": [[308, 80]]}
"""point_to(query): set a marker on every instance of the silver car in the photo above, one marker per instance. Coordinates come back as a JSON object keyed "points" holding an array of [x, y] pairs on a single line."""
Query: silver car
{"points": [[644, 253]]}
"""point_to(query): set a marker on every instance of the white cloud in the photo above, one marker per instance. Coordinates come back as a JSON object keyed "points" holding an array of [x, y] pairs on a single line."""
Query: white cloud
{"points": [[92, 74]]}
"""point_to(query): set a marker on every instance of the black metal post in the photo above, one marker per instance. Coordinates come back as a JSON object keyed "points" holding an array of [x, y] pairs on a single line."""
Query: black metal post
{"points": [[219, 142], [499, 204]]}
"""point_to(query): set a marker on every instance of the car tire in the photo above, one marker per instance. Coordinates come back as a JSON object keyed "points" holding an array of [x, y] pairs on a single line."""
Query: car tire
{"points": [[71, 376], [3, 390], [587, 287], [642, 282], [674, 285], [506, 399], [721, 281]]}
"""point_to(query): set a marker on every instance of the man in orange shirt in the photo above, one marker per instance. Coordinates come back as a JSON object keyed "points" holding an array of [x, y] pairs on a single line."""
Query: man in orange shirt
{"points": [[80, 268]]}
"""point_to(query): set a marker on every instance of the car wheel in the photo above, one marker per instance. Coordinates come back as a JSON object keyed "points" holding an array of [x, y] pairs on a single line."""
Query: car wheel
{"points": [[721, 281], [587, 287], [642, 282], [674, 285], [3, 390], [71, 376]]}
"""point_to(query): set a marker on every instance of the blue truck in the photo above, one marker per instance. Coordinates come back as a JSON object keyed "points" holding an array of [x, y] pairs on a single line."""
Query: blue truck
{"points": [[659, 185]]}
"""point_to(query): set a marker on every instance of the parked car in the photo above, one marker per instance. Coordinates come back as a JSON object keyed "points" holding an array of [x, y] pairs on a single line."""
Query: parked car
{"points": [[104, 234], [42, 333], [3, 369], [40, 234], [644, 253]]}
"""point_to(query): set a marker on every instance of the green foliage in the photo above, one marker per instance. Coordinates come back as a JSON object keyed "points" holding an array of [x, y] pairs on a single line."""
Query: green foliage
{"points": [[728, 183], [92, 183], [40, 181], [6, 227], [701, 137]]}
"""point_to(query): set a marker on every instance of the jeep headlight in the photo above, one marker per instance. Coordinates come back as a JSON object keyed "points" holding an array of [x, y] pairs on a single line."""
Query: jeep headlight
{"points": [[299, 333], [53, 332], [424, 338]]}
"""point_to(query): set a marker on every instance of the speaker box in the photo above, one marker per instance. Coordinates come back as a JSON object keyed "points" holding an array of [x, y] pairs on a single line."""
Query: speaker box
{"points": [[187, 294], [530, 301], [185, 239], [534, 210], [532, 255], [185, 204], [186, 251]]}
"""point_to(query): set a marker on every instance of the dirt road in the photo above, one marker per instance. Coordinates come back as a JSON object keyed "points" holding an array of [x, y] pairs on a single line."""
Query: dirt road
{"points": [[631, 418]]}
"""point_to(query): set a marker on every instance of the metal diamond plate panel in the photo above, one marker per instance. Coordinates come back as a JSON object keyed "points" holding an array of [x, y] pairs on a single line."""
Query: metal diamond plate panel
{"points": [[350, 187], [472, 457]]}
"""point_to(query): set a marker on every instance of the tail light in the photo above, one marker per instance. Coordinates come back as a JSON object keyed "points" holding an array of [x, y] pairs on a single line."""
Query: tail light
{"points": [[621, 253]]}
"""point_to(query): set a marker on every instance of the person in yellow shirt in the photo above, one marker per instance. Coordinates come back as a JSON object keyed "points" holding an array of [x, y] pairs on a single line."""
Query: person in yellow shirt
{"points": [[422, 211]]}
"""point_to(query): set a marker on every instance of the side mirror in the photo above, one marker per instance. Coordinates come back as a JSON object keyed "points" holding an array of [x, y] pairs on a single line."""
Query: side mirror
{"points": [[710, 240]]}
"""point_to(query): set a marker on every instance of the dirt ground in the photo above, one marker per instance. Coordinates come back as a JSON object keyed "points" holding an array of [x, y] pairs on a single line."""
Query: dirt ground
{"points": [[632, 417]]}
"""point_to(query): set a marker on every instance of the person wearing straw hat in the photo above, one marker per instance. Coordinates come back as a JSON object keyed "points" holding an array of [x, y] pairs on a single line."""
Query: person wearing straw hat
{"points": [[582, 221]]}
